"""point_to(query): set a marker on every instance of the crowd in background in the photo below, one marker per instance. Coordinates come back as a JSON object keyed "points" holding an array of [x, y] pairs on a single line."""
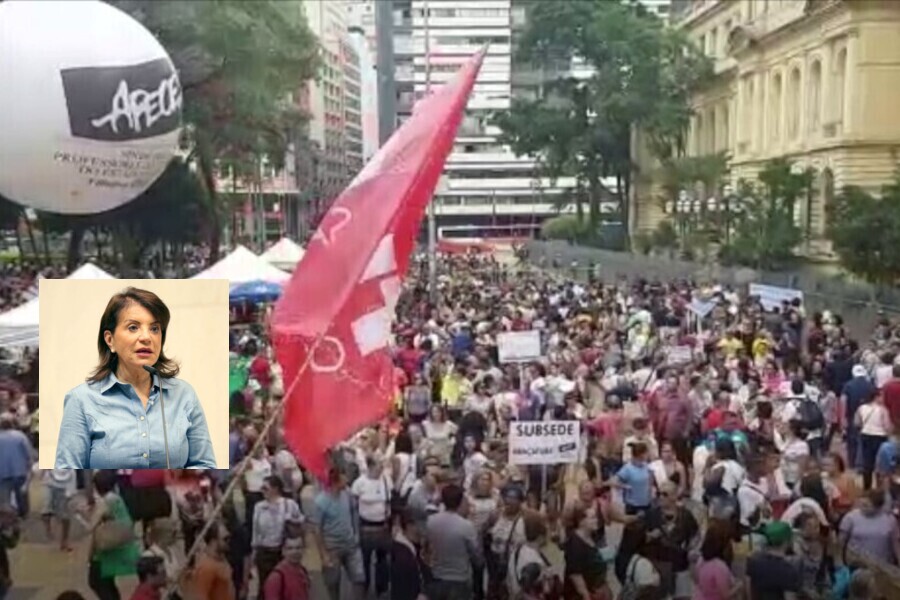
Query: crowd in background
{"points": [[762, 463]]}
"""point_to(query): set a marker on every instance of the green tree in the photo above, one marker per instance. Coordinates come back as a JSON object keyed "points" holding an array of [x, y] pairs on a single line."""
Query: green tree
{"points": [[765, 234], [239, 63], [642, 75], [865, 232]]}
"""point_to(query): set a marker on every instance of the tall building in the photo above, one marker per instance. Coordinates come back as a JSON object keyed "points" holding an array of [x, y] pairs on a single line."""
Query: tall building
{"points": [[661, 8], [361, 25], [321, 160], [815, 81], [486, 190]]}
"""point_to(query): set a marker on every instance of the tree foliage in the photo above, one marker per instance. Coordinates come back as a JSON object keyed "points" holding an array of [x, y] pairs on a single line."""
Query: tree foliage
{"points": [[641, 74], [765, 234], [865, 232], [239, 64]]}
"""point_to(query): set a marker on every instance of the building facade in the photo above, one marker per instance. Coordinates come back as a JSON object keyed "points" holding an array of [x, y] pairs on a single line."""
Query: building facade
{"points": [[813, 81], [325, 157], [486, 190]]}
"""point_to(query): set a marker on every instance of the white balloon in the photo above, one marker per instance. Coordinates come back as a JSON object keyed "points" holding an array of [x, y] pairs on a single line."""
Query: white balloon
{"points": [[90, 106]]}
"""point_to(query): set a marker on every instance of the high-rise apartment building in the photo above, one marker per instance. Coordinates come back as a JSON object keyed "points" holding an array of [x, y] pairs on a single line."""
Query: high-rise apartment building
{"points": [[486, 191]]}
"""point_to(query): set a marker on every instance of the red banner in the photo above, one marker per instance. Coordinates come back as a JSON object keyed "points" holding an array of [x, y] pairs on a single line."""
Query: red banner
{"points": [[341, 298]]}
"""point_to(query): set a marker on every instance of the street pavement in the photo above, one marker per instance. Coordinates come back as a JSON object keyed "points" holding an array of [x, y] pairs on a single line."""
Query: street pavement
{"points": [[40, 571]]}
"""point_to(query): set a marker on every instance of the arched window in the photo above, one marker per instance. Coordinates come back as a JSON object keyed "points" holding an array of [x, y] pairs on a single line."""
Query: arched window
{"points": [[774, 112], [815, 96], [793, 103], [840, 83]]}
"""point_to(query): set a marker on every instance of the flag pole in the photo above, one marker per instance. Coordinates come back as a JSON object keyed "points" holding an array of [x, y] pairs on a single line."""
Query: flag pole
{"points": [[229, 490], [432, 219]]}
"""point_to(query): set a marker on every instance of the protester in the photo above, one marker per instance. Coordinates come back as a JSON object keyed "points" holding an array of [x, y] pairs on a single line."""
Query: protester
{"points": [[454, 548], [336, 538], [151, 577], [408, 569], [289, 578]]}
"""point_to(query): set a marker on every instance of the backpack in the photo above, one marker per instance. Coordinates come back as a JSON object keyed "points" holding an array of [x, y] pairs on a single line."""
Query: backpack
{"points": [[810, 415]]}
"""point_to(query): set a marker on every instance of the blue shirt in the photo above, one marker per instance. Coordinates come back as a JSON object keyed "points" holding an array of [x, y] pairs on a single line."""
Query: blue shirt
{"points": [[334, 517], [637, 478], [886, 459], [15, 454], [105, 426], [858, 390]]}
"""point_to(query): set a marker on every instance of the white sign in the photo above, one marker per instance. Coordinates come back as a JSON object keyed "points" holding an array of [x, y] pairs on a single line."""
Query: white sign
{"points": [[771, 296], [701, 308], [544, 442], [90, 106], [678, 355], [519, 346]]}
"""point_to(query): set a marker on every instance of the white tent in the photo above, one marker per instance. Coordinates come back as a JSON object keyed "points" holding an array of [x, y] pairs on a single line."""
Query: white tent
{"points": [[285, 254], [241, 266], [19, 326]]}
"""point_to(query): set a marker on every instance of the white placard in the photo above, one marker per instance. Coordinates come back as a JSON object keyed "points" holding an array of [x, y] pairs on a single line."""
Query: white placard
{"points": [[678, 355], [771, 296], [544, 442], [519, 346]]}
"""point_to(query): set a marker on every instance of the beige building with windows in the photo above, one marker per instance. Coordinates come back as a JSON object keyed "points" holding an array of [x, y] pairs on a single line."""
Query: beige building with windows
{"points": [[816, 81]]}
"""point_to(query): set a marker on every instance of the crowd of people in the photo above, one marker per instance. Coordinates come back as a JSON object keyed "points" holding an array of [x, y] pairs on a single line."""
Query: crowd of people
{"points": [[747, 453]]}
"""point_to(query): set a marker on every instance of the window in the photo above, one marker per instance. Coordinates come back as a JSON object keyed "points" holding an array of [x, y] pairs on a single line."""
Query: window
{"points": [[840, 82], [774, 112], [793, 100], [714, 42], [725, 125], [815, 97], [698, 135]]}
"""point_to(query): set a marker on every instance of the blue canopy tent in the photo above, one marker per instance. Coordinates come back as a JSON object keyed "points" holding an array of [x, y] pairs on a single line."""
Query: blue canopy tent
{"points": [[255, 291]]}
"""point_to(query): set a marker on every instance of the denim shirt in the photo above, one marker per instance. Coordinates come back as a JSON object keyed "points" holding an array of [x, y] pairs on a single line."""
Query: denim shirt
{"points": [[105, 426]]}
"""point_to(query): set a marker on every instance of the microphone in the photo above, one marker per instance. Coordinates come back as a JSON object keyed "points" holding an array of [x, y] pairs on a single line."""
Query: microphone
{"points": [[162, 402]]}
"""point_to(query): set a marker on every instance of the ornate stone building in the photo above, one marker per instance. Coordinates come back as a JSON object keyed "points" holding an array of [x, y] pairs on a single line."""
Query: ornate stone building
{"points": [[816, 81]]}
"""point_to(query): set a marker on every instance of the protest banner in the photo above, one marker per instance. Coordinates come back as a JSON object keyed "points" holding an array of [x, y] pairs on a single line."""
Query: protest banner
{"points": [[678, 355], [701, 308], [544, 442], [771, 296], [519, 346]]}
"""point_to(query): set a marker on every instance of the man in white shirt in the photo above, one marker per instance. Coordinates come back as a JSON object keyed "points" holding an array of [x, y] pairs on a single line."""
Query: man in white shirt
{"points": [[372, 492], [800, 393]]}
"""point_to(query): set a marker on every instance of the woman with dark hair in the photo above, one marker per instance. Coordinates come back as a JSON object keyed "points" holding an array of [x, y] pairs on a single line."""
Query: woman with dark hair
{"points": [[871, 530], [112, 420], [712, 576], [109, 563], [634, 568], [585, 574]]}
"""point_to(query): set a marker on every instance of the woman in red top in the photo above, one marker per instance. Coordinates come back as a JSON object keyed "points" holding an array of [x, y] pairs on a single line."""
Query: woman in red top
{"points": [[261, 370]]}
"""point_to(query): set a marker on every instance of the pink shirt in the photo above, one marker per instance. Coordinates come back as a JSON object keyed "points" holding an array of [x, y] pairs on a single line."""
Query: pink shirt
{"points": [[714, 580]]}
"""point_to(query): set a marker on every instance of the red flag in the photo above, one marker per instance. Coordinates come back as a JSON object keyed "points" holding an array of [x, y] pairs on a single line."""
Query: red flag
{"points": [[342, 295]]}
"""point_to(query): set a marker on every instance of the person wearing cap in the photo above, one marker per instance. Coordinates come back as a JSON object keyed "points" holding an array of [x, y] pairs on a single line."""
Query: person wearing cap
{"points": [[770, 573], [856, 392]]}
